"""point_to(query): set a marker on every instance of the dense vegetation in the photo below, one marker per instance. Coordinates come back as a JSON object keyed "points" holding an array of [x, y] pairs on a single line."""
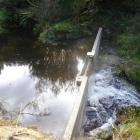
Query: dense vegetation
{"points": [[50, 20], [129, 40]]}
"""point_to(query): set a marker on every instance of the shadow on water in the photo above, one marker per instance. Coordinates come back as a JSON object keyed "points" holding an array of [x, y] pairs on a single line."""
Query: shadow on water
{"points": [[40, 79]]}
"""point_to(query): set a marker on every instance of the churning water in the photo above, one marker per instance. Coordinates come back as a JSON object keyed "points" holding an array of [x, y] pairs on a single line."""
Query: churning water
{"points": [[107, 94]]}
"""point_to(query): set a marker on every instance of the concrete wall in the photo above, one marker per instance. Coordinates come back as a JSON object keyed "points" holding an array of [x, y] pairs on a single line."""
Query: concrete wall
{"points": [[74, 126]]}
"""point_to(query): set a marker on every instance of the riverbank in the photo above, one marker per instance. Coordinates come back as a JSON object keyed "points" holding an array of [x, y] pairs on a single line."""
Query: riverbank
{"points": [[129, 119], [12, 130]]}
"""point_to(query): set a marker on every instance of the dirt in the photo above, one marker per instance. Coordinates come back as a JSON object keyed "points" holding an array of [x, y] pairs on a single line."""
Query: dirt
{"points": [[11, 130]]}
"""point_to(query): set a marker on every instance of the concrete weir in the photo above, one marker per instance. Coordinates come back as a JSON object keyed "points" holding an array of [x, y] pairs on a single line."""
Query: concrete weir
{"points": [[74, 126]]}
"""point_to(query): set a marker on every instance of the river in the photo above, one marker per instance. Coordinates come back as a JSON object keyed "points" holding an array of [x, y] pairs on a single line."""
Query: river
{"points": [[37, 83]]}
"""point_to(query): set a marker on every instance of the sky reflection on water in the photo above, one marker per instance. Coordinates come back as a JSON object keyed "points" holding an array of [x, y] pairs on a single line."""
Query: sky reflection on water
{"points": [[40, 81]]}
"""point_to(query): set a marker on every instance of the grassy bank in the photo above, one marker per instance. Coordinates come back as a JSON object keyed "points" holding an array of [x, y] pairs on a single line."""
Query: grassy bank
{"points": [[130, 124], [129, 49]]}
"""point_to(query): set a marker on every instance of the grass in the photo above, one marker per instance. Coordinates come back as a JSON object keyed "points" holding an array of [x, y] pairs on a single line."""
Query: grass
{"points": [[130, 124], [129, 39], [129, 48], [66, 26]]}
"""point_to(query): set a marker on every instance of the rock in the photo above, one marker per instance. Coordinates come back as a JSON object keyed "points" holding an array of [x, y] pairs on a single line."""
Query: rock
{"points": [[102, 133], [90, 113], [92, 124], [88, 127], [107, 102]]}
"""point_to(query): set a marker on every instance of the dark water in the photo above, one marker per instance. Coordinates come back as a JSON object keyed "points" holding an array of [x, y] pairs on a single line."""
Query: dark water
{"points": [[37, 82]]}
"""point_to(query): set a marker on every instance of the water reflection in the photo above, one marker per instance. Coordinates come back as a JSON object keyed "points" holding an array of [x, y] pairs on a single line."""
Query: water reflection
{"points": [[16, 86], [52, 63], [80, 64], [20, 95], [38, 81]]}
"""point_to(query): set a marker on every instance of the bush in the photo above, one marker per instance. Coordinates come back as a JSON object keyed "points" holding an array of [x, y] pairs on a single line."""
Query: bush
{"points": [[66, 26], [62, 31], [4, 17], [47, 35], [25, 16], [129, 45], [129, 40]]}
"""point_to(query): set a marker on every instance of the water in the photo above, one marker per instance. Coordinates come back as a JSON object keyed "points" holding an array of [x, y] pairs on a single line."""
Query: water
{"points": [[107, 94], [38, 82]]}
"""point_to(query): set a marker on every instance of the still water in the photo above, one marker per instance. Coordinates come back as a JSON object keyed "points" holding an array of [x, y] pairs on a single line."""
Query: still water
{"points": [[37, 82]]}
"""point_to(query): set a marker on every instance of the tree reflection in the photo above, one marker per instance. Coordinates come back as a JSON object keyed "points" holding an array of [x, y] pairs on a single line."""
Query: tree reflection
{"points": [[55, 64]]}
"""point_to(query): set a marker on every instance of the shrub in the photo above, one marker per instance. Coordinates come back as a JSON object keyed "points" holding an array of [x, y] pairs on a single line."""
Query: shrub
{"points": [[66, 26], [25, 17], [129, 40], [4, 17], [62, 31]]}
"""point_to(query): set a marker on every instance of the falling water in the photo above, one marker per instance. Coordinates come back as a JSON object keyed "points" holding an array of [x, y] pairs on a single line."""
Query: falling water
{"points": [[107, 94]]}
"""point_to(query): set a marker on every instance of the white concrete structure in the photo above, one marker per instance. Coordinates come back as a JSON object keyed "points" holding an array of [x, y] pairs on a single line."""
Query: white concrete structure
{"points": [[74, 125]]}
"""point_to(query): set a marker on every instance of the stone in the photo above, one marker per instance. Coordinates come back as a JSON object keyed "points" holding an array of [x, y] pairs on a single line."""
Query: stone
{"points": [[102, 133]]}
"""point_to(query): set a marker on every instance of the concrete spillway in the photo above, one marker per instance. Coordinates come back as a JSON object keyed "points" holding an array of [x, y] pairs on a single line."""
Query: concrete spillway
{"points": [[74, 126]]}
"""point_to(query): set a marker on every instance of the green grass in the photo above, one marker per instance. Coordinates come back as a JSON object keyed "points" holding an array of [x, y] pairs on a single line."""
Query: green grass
{"points": [[129, 39], [129, 48], [135, 131], [66, 26], [130, 124]]}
